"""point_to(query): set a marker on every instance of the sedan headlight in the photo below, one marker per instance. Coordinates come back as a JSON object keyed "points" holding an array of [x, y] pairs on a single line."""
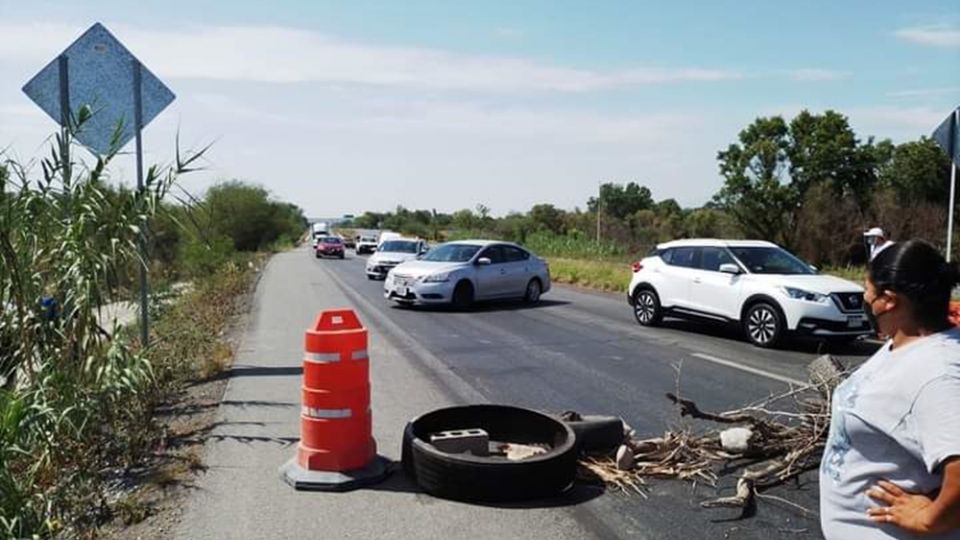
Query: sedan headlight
{"points": [[800, 294], [442, 277]]}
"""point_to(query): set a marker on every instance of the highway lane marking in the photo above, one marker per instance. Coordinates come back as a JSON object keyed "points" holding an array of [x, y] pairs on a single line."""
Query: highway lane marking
{"points": [[451, 381], [748, 369]]}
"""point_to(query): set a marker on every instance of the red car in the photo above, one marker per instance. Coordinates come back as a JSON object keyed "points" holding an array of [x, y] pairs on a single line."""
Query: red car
{"points": [[329, 246]]}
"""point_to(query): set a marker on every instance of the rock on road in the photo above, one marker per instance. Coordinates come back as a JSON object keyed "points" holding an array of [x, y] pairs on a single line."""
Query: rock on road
{"points": [[575, 350]]}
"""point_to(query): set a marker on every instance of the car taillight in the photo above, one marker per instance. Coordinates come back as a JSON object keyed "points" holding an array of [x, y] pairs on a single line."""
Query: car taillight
{"points": [[636, 267]]}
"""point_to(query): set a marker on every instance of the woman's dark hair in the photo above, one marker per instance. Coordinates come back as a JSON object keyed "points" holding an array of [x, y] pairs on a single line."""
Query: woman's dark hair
{"points": [[916, 270]]}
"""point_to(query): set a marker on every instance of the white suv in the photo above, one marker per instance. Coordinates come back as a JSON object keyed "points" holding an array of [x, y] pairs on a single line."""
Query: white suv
{"points": [[758, 285]]}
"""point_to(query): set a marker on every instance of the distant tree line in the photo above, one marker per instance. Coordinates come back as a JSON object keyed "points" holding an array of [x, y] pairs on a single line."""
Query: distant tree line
{"points": [[197, 235], [809, 184]]}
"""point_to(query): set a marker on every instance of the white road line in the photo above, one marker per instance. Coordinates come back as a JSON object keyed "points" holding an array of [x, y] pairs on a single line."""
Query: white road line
{"points": [[748, 369]]}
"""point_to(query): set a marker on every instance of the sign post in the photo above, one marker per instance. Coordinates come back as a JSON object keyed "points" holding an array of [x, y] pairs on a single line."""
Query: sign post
{"points": [[947, 136], [98, 72]]}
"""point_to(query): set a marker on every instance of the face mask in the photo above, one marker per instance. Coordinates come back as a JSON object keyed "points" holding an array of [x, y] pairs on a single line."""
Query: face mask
{"points": [[871, 316]]}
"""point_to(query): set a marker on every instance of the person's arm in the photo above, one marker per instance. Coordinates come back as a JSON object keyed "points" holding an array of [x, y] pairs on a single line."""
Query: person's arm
{"points": [[918, 513], [935, 416]]}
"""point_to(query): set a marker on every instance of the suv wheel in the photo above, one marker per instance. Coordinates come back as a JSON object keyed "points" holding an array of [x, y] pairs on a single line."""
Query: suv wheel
{"points": [[646, 307], [763, 325]]}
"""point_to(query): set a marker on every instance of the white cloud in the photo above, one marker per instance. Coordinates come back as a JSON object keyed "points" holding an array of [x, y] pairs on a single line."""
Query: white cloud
{"points": [[881, 122], [285, 55], [926, 92], [931, 36], [896, 122], [816, 75], [509, 33]]}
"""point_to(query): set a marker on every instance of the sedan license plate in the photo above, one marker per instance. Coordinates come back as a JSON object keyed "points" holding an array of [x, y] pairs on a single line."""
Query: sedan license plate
{"points": [[855, 322], [402, 291]]}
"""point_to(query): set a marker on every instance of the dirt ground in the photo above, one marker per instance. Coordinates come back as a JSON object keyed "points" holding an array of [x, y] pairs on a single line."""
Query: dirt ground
{"points": [[150, 502]]}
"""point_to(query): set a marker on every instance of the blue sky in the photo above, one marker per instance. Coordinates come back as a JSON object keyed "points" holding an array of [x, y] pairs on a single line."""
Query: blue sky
{"points": [[343, 106]]}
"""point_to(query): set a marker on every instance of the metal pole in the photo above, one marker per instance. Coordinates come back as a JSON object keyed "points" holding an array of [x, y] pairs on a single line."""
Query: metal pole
{"points": [[62, 64], [599, 203], [142, 240], [953, 179]]}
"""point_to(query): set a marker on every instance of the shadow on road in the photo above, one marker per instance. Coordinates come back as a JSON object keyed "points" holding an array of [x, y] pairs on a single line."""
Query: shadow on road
{"points": [[793, 344], [485, 307], [253, 371], [579, 493]]}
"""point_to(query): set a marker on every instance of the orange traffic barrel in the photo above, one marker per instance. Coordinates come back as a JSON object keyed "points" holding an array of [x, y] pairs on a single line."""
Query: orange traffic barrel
{"points": [[336, 428]]}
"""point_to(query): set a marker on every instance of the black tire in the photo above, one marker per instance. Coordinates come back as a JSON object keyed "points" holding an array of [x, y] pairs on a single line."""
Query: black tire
{"points": [[463, 295], [465, 477], [371, 278], [842, 341], [646, 307], [534, 289], [341, 256], [763, 325], [318, 255], [595, 434]]}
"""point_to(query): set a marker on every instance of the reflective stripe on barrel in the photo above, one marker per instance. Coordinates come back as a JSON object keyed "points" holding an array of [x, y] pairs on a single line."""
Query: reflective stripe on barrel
{"points": [[329, 358], [326, 413]]}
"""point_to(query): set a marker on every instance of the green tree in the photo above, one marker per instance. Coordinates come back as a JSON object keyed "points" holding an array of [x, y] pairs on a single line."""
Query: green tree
{"points": [[246, 214], [710, 223], [548, 217], [824, 148], [918, 171], [754, 192], [465, 219], [620, 201]]}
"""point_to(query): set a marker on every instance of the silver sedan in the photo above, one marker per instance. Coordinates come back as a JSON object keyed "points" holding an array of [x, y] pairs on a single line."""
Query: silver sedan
{"points": [[462, 272]]}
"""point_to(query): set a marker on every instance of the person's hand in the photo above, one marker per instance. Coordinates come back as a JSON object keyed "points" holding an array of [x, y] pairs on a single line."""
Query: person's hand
{"points": [[909, 511]]}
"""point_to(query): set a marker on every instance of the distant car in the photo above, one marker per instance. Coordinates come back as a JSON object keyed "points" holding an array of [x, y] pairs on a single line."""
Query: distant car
{"points": [[329, 246], [387, 235], [759, 286], [391, 253], [348, 242], [366, 244], [462, 272]]}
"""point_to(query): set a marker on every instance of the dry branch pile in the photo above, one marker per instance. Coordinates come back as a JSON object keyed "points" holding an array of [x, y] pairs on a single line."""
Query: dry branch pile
{"points": [[770, 442]]}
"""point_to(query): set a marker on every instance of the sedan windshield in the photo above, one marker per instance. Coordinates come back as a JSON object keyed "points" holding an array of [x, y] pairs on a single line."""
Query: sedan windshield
{"points": [[399, 246], [771, 260], [330, 240], [452, 253]]}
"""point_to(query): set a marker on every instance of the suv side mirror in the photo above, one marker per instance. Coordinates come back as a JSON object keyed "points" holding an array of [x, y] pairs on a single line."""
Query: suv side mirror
{"points": [[484, 261], [730, 268]]}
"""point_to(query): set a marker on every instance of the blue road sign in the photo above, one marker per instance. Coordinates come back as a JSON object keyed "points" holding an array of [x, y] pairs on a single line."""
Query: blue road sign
{"points": [[99, 75], [947, 136]]}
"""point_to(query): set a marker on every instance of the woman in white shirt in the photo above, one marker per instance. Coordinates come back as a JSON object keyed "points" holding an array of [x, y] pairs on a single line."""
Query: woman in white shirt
{"points": [[891, 466]]}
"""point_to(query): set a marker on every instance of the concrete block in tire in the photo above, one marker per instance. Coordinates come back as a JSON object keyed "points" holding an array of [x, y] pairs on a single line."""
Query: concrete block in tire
{"points": [[597, 434], [465, 477]]}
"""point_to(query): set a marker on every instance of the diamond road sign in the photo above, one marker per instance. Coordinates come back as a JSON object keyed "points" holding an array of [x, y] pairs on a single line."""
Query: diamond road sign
{"points": [[947, 136], [100, 75]]}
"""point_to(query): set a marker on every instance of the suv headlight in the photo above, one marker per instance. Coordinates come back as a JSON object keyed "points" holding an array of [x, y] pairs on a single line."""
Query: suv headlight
{"points": [[442, 277], [800, 294]]}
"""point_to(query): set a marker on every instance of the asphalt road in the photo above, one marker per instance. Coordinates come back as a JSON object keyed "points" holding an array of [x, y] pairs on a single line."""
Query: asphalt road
{"points": [[576, 350], [583, 351]]}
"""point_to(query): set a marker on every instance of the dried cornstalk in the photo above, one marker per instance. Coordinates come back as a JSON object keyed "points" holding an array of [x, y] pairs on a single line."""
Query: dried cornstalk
{"points": [[773, 445]]}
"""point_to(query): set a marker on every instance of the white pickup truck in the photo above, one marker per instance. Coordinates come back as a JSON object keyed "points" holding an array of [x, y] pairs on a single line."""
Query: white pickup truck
{"points": [[366, 244]]}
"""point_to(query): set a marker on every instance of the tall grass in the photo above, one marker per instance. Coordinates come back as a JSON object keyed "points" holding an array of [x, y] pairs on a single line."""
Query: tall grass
{"points": [[548, 244], [67, 411]]}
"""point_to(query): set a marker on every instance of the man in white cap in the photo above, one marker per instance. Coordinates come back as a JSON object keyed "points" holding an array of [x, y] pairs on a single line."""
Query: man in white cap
{"points": [[877, 241]]}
